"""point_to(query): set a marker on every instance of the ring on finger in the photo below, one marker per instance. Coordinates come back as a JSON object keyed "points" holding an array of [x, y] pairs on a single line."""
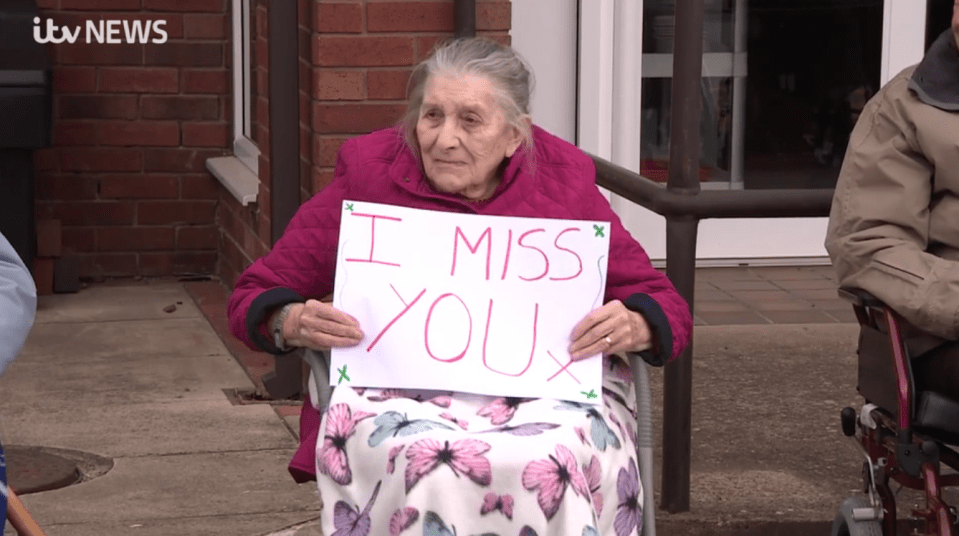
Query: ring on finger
{"points": [[609, 342]]}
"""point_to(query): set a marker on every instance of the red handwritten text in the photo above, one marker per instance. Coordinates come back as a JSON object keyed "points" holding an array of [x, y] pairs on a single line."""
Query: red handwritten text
{"points": [[489, 247], [426, 330], [532, 350], [469, 338], [373, 218], [561, 248], [523, 242]]}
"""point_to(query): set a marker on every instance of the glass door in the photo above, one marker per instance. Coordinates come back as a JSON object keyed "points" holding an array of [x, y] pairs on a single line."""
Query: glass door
{"points": [[783, 81], [722, 89]]}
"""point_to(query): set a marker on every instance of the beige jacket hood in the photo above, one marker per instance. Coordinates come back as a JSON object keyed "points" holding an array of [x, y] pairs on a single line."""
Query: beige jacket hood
{"points": [[894, 225]]}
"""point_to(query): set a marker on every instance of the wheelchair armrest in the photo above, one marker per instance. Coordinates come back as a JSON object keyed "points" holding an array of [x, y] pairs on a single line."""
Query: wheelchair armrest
{"points": [[860, 298], [319, 388]]}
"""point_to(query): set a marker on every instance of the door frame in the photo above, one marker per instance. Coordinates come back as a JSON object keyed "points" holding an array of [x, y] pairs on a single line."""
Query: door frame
{"points": [[608, 123]]}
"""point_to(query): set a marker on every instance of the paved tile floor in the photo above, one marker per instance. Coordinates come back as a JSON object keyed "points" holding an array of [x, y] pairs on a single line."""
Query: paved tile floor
{"points": [[760, 300], [130, 373], [769, 295]]}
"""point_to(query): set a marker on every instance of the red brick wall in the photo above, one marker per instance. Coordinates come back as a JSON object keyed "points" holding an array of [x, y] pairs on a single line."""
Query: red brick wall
{"points": [[133, 125]]}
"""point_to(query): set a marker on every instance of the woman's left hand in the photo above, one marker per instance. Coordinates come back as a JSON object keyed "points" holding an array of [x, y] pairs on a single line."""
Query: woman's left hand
{"points": [[610, 329]]}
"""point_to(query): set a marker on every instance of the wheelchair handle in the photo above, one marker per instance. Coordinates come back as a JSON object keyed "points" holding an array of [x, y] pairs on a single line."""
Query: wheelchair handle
{"points": [[859, 297]]}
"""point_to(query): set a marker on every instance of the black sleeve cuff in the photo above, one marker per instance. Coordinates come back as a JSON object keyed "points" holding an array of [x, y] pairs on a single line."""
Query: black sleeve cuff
{"points": [[261, 308], [658, 323]]}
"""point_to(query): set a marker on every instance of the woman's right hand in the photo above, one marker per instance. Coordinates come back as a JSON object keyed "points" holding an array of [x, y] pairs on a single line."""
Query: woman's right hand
{"points": [[317, 325]]}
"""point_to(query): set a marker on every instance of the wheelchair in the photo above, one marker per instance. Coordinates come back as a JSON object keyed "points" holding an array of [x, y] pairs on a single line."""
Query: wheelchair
{"points": [[904, 434]]}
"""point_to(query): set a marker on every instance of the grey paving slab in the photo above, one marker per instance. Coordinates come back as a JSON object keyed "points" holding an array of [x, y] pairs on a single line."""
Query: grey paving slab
{"points": [[124, 382], [766, 439], [294, 423], [306, 529], [760, 295], [842, 315], [712, 294], [731, 318], [706, 306], [103, 303], [726, 274], [170, 427], [757, 284], [781, 305], [799, 317], [786, 494], [817, 294], [128, 340], [219, 525], [806, 284], [183, 489], [786, 273], [831, 305]]}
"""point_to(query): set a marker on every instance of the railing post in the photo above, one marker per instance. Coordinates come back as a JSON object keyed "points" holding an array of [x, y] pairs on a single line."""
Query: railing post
{"points": [[284, 115], [684, 152], [287, 378], [464, 13], [681, 234]]}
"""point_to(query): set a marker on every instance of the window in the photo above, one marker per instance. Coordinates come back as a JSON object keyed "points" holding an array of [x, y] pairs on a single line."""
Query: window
{"points": [[245, 83], [239, 173]]}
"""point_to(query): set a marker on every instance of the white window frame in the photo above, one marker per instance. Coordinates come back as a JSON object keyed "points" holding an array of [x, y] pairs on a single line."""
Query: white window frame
{"points": [[240, 173], [243, 109]]}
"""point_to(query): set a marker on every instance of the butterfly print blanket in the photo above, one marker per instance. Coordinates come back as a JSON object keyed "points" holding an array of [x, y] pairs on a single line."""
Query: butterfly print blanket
{"points": [[395, 462]]}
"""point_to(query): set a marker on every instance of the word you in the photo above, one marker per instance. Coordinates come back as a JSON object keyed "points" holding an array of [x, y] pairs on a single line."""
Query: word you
{"points": [[103, 32], [444, 318]]}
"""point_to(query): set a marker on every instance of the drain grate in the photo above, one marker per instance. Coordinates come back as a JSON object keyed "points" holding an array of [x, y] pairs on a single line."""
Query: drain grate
{"points": [[243, 397], [32, 469]]}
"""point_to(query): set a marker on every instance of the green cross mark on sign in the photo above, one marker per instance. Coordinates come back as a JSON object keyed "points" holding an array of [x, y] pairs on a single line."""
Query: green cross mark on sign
{"points": [[343, 375], [599, 229]]}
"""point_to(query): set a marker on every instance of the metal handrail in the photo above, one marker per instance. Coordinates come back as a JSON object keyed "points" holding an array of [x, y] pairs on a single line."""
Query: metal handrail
{"points": [[683, 208], [702, 204]]}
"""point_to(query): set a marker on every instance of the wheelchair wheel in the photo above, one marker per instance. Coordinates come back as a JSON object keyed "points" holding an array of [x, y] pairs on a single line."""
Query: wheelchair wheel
{"points": [[846, 525]]}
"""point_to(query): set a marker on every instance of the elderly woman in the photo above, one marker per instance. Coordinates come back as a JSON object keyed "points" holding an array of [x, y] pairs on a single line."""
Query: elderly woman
{"points": [[442, 463]]}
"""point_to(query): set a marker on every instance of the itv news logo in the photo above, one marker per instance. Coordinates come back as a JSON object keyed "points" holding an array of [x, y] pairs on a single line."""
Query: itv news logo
{"points": [[103, 32]]}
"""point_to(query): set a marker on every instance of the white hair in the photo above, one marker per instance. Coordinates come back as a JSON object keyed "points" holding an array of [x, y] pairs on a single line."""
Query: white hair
{"points": [[509, 74]]}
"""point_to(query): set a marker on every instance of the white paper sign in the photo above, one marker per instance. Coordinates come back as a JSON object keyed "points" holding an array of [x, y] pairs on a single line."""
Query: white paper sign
{"points": [[461, 302]]}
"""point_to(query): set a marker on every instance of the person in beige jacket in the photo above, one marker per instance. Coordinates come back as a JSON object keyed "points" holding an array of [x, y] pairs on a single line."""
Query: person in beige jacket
{"points": [[894, 225]]}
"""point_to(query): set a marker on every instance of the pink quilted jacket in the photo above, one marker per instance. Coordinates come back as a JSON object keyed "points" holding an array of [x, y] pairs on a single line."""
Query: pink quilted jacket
{"points": [[380, 168]]}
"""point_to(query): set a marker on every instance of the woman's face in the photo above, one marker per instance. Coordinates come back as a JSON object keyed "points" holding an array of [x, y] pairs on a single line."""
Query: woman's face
{"points": [[463, 135]]}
